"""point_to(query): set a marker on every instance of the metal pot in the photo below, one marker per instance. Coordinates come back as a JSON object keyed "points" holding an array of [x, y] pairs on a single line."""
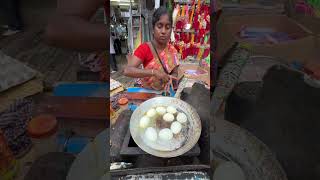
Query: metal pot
{"points": [[192, 135]]}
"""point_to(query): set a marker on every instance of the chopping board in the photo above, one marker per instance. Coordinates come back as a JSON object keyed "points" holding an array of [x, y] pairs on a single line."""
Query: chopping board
{"points": [[86, 116], [74, 107]]}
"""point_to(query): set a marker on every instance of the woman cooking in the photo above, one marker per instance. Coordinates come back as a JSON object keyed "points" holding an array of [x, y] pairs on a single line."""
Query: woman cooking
{"points": [[158, 57]]}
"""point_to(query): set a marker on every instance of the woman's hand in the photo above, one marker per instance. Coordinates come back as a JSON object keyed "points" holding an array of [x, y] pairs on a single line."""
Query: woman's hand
{"points": [[161, 75]]}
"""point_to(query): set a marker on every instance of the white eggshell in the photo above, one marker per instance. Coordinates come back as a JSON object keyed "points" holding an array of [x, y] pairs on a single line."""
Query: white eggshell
{"points": [[151, 113], [165, 134], [182, 118], [168, 117], [144, 122], [151, 134], [161, 110], [171, 109], [176, 127]]}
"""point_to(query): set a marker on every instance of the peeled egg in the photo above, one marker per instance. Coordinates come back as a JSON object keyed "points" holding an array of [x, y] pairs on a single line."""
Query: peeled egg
{"points": [[171, 109], [182, 118], [176, 127], [151, 113], [144, 121], [168, 117], [161, 110], [151, 134], [165, 134]]}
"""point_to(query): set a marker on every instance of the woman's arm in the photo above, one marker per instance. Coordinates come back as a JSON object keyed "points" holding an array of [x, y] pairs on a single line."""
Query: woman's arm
{"points": [[132, 70], [71, 27]]}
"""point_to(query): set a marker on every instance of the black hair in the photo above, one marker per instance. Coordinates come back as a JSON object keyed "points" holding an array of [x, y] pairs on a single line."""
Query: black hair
{"points": [[158, 13]]}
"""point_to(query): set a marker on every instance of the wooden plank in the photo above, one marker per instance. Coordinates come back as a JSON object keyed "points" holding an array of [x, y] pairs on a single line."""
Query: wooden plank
{"points": [[84, 74], [37, 56], [118, 133], [84, 116], [67, 68], [56, 69], [26, 55], [20, 42], [71, 74], [29, 48], [74, 107], [140, 96], [82, 127]]}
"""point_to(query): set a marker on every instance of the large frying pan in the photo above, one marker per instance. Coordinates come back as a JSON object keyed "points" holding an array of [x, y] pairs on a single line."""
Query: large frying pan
{"points": [[192, 135]]}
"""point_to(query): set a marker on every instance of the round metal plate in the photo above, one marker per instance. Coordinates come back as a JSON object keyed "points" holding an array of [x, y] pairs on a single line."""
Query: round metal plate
{"points": [[193, 134]]}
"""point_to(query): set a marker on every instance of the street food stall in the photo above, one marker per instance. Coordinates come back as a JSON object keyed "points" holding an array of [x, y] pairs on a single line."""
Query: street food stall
{"points": [[132, 133], [166, 132]]}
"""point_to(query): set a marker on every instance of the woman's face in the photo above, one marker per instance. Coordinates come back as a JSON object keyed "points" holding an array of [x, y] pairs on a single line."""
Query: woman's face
{"points": [[162, 30]]}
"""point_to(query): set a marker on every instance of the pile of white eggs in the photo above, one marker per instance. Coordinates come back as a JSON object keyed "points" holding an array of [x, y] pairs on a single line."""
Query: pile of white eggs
{"points": [[169, 115]]}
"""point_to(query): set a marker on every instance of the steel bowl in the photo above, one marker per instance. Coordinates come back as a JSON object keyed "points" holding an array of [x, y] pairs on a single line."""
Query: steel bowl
{"points": [[192, 135]]}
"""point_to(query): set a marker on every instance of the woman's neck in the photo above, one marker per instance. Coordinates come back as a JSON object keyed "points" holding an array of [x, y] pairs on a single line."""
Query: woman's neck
{"points": [[159, 46]]}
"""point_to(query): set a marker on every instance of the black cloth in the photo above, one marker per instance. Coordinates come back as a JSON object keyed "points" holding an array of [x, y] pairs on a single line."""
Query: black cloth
{"points": [[117, 46], [113, 62], [11, 11]]}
